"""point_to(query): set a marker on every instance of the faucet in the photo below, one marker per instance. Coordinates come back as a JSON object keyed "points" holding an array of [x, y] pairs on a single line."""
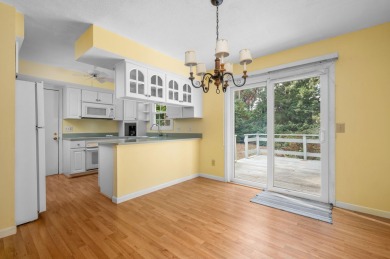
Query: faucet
{"points": [[158, 128]]}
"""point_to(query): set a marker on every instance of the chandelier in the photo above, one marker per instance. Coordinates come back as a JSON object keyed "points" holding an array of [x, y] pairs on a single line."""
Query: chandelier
{"points": [[223, 72]]}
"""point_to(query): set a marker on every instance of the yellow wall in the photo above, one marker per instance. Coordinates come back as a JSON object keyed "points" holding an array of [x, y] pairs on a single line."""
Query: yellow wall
{"points": [[142, 166], [19, 25], [7, 105], [362, 103], [91, 126]]}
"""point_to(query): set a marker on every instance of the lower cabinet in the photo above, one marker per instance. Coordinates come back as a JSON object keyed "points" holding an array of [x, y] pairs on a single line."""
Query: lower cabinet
{"points": [[73, 157], [77, 160]]}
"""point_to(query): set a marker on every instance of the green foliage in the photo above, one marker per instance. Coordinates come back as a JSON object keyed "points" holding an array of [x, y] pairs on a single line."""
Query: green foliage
{"points": [[297, 109]]}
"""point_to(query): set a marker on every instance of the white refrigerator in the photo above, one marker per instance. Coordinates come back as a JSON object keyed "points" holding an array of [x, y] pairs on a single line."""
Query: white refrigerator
{"points": [[30, 175]]}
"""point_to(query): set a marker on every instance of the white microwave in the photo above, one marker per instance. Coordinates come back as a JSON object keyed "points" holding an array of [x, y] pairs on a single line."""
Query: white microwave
{"points": [[97, 111]]}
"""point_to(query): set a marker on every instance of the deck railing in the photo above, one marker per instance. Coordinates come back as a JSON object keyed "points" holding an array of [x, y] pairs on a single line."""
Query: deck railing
{"points": [[281, 138]]}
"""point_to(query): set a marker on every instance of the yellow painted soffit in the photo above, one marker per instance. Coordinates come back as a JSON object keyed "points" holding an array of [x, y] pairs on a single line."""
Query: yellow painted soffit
{"points": [[43, 71], [128, 49], [84, 43], [19, 26]]}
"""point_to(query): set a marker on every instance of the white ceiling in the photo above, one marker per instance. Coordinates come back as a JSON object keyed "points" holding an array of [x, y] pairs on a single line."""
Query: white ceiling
{"points": [[172, 27]]}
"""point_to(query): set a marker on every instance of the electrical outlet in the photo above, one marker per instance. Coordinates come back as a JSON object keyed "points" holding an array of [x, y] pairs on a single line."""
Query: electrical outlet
{"points": [[213, 162], [69, 128]]}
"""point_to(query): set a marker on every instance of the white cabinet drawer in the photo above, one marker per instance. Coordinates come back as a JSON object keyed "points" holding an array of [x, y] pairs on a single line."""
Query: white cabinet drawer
{"points": [[77, 144]]}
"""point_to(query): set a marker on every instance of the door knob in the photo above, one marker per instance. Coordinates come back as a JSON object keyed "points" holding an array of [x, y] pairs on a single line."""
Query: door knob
{"points": [[55, 138]]}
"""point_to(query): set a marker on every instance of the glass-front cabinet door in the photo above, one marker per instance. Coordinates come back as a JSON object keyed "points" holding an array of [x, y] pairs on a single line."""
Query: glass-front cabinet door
{"points": [[186, 94], [156, 89], [136, 81], [173, 90]]}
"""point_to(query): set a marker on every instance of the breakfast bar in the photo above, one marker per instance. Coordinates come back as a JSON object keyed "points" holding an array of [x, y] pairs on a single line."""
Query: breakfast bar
{"points": [[136, 166]]}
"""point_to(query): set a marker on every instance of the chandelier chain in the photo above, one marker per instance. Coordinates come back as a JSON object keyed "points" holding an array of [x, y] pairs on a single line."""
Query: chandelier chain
{"points": [[217, 24]]}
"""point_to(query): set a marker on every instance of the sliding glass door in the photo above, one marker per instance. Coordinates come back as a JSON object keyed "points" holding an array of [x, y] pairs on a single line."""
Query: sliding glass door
{"points": [[280, 134], [298, 127], [250, 135]]}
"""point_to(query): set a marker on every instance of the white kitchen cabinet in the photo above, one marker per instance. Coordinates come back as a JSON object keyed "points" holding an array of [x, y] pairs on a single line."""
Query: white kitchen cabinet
{"points": [[156, 86], [185, 112], [185, 95], [130, 81], [179, 91], [73, 157], [77, 160], [173, 90], [72, 103], [118, 104], [138, 82], [174, 112], [130, 110], [97, 97]]}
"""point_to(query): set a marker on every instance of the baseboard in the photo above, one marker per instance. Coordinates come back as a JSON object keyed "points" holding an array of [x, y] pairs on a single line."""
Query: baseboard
{"points": [[133, 195], [212, 177], [375, 212], [5, 232]]}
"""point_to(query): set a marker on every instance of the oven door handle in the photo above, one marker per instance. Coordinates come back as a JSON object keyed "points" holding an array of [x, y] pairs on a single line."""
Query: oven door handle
{"points": [[92, 149]]}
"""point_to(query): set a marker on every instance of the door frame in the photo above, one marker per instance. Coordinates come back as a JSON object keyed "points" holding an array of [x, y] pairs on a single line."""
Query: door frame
{"points": [[287, 70], [60, 108]]}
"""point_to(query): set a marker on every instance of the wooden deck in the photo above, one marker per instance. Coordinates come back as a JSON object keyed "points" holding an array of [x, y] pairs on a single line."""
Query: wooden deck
{"points": [[290, 173]]}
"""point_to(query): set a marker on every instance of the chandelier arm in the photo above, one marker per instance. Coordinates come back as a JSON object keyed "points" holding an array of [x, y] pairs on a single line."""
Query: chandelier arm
{"points": [[240, 82], [201, 84]]}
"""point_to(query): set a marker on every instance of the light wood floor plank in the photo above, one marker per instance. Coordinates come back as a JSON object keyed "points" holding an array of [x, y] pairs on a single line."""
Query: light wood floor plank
{"points": [[199, 218]]}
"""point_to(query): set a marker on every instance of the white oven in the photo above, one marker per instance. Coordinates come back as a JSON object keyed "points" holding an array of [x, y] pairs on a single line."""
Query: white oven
{"points": [[91, 155], [98, 111]]}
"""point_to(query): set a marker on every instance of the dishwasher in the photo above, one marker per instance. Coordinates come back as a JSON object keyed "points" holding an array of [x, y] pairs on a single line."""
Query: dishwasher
{"points": [[91, 155]]}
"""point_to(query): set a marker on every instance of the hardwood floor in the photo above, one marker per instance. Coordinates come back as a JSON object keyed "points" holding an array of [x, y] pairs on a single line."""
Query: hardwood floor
{"points": [[199, 218]]}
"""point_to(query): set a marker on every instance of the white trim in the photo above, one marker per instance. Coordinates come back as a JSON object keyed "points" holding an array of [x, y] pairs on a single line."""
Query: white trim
{"points": [[60, 116], [371, 211], [299, 63], [317, 66], [5, 232], [151, 189], [212, 177]]}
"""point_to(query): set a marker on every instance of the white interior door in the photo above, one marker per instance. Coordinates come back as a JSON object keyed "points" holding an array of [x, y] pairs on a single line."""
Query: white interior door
{"points": [[52, 131], [298, 149]]}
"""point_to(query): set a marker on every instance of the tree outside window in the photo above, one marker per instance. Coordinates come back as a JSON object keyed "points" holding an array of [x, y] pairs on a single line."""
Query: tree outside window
{"points": [[160, 117]]}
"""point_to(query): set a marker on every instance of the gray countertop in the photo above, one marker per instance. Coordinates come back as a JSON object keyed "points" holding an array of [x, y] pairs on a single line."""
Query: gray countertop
{"points": [[145, 140], [110, 139]]}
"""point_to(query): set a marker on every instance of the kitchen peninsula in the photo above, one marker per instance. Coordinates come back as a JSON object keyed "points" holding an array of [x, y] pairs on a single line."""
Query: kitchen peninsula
{"points": [[136, 166]]}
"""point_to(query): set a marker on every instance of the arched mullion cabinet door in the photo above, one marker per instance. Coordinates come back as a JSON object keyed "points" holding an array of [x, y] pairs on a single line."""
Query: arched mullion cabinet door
{"points": [[136, 81], [156, 86], [186, 92], [173, 90]]}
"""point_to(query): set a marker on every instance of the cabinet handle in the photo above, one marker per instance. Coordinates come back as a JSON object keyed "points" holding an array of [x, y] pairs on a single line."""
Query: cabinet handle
{"points": [[97, 100]]}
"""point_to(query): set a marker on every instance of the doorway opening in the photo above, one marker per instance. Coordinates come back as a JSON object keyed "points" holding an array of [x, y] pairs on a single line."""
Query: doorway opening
{"points": [[53, 132]]}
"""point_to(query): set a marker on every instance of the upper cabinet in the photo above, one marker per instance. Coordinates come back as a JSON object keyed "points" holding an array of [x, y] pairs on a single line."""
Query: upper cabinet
{"points": [[179, 91], [141, 83], [72, 103], [97, 97], [173, 90], [156, 87], [137, 82]]}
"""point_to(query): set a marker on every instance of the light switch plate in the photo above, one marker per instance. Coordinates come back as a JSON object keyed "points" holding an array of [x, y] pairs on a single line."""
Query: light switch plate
{"points": [[340, 127]]}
